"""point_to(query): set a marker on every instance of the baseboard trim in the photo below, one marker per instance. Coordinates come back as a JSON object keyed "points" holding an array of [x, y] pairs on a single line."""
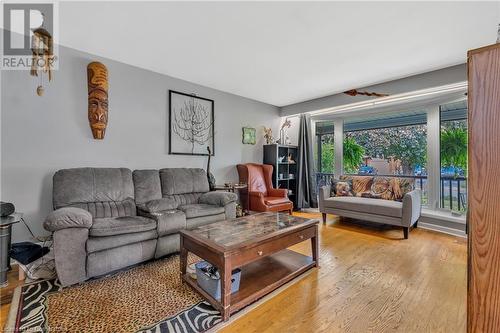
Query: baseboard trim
{"points": [[439, 228]]}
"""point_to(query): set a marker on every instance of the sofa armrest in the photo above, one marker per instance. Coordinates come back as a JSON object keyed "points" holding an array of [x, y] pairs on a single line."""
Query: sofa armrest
{"points": [[412, 207], [218, 198], [256, 194], [158, 205], [70, 227], [324, 193], [168, 222], [68, 217], [278, 192], [230, 210]]}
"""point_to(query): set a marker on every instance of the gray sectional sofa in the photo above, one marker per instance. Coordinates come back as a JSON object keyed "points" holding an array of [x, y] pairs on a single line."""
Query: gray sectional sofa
{"points": [[105, 219], [404, 214]]}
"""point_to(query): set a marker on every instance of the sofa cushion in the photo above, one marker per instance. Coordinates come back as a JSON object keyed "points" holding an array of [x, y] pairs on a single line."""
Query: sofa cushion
{"points": [[360, 184], [218, 198], [121, 225], [183, 180], [83, 185], [198, 210], [257, 179], [401, 186], [159, 205], [184, 199], [271, 201], [95, 244], [366, 205], [146, 185], [341, 188], [382, 188], [202, 220], [109, 208]]}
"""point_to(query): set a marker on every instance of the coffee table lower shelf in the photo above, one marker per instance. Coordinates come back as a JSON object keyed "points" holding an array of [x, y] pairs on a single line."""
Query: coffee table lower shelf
{"points": [[260, 277]]}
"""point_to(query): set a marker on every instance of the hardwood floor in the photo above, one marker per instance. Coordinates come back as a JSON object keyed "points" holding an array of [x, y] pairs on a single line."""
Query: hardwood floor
{"points": [[370, 280], [6, 294]]}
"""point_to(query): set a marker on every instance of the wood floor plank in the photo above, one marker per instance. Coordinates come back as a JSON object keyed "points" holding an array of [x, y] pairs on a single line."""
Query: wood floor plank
{"points": [[13, 281]]}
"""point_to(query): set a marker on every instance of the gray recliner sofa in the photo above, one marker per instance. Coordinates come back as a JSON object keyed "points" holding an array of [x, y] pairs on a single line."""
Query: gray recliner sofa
{"points": [[105, 219]]}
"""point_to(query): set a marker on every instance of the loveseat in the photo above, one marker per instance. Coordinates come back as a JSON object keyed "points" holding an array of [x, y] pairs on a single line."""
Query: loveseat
{"points": [[105, 219], [375, 199]]}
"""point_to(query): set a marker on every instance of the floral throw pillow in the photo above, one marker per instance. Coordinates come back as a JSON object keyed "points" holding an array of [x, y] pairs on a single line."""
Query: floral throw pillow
{"points": [[361, 185], [381, 188], [401, 186], [341, 188]]}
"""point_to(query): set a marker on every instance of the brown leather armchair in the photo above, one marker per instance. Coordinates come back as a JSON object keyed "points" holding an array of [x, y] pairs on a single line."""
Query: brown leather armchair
{"points": [[262, 196]]}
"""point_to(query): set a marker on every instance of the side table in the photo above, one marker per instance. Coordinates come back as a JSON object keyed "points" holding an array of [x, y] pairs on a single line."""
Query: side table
{"points": [[6, 223]]}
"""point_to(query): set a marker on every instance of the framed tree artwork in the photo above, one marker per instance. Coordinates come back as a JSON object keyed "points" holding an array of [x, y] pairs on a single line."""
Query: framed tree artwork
{"points": [[191, 124]]}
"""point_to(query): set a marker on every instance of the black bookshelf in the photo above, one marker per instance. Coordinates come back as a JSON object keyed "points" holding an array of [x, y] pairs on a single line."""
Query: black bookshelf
{"points": [[285, 173]]}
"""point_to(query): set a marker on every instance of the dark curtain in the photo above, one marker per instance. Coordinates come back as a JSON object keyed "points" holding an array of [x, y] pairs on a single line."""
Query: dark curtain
{"points": [[306, 194]]}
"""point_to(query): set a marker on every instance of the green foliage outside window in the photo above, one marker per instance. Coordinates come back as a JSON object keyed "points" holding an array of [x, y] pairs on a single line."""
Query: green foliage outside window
{"points": [[406, 143], [454, 147], [327, 158], [353, 156]]}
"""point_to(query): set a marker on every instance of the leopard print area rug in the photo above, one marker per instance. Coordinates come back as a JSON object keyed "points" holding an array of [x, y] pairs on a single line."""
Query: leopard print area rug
{"points": [[147, 298]]}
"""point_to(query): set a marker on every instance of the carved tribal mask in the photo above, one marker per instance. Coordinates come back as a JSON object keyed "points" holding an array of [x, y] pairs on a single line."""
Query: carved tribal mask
{"points": [[97, 81]]}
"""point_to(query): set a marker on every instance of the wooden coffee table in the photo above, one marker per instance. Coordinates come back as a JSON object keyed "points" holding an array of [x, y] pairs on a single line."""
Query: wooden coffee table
{"points": [[258, 245]]}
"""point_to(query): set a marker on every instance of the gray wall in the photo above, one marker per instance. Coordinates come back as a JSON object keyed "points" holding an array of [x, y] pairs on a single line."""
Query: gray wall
{"points": [[40, 135], [427, 80]]}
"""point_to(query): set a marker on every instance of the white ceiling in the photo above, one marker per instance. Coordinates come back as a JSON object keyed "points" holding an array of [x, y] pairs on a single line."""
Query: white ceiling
{"points": [[281, 52]]}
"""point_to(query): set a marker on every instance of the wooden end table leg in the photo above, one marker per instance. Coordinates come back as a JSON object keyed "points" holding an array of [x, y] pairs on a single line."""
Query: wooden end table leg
{"points": [[226, 289], [183, 259], [315, 247], [21, 274]]}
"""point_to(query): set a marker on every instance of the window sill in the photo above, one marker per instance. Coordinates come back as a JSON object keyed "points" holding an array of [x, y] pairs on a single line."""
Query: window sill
{"points": [[443, 222], [443, 215]]}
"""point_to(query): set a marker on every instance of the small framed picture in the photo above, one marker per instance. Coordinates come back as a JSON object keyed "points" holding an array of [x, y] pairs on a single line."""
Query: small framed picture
{"points": [[249, 135]]}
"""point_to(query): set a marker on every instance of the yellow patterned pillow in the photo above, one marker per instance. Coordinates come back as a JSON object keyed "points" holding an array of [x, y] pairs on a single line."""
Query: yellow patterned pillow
{"points": [[340, 188], [381, 188], [361, 185], [401, 186]]}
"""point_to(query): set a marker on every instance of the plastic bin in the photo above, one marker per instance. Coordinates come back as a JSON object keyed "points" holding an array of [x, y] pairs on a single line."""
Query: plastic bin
{"points": [[212, 286]]}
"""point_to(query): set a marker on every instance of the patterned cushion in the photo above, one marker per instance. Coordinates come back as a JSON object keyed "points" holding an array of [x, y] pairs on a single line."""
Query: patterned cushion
{"points": [[391, 188], [388, 188], [360, 184], [401, 186], [381, 188], [340, 188]]}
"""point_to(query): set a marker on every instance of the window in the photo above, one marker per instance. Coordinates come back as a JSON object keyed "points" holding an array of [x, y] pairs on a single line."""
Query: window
{"points": [[394, 144], [325, 153], [453, 156]]}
